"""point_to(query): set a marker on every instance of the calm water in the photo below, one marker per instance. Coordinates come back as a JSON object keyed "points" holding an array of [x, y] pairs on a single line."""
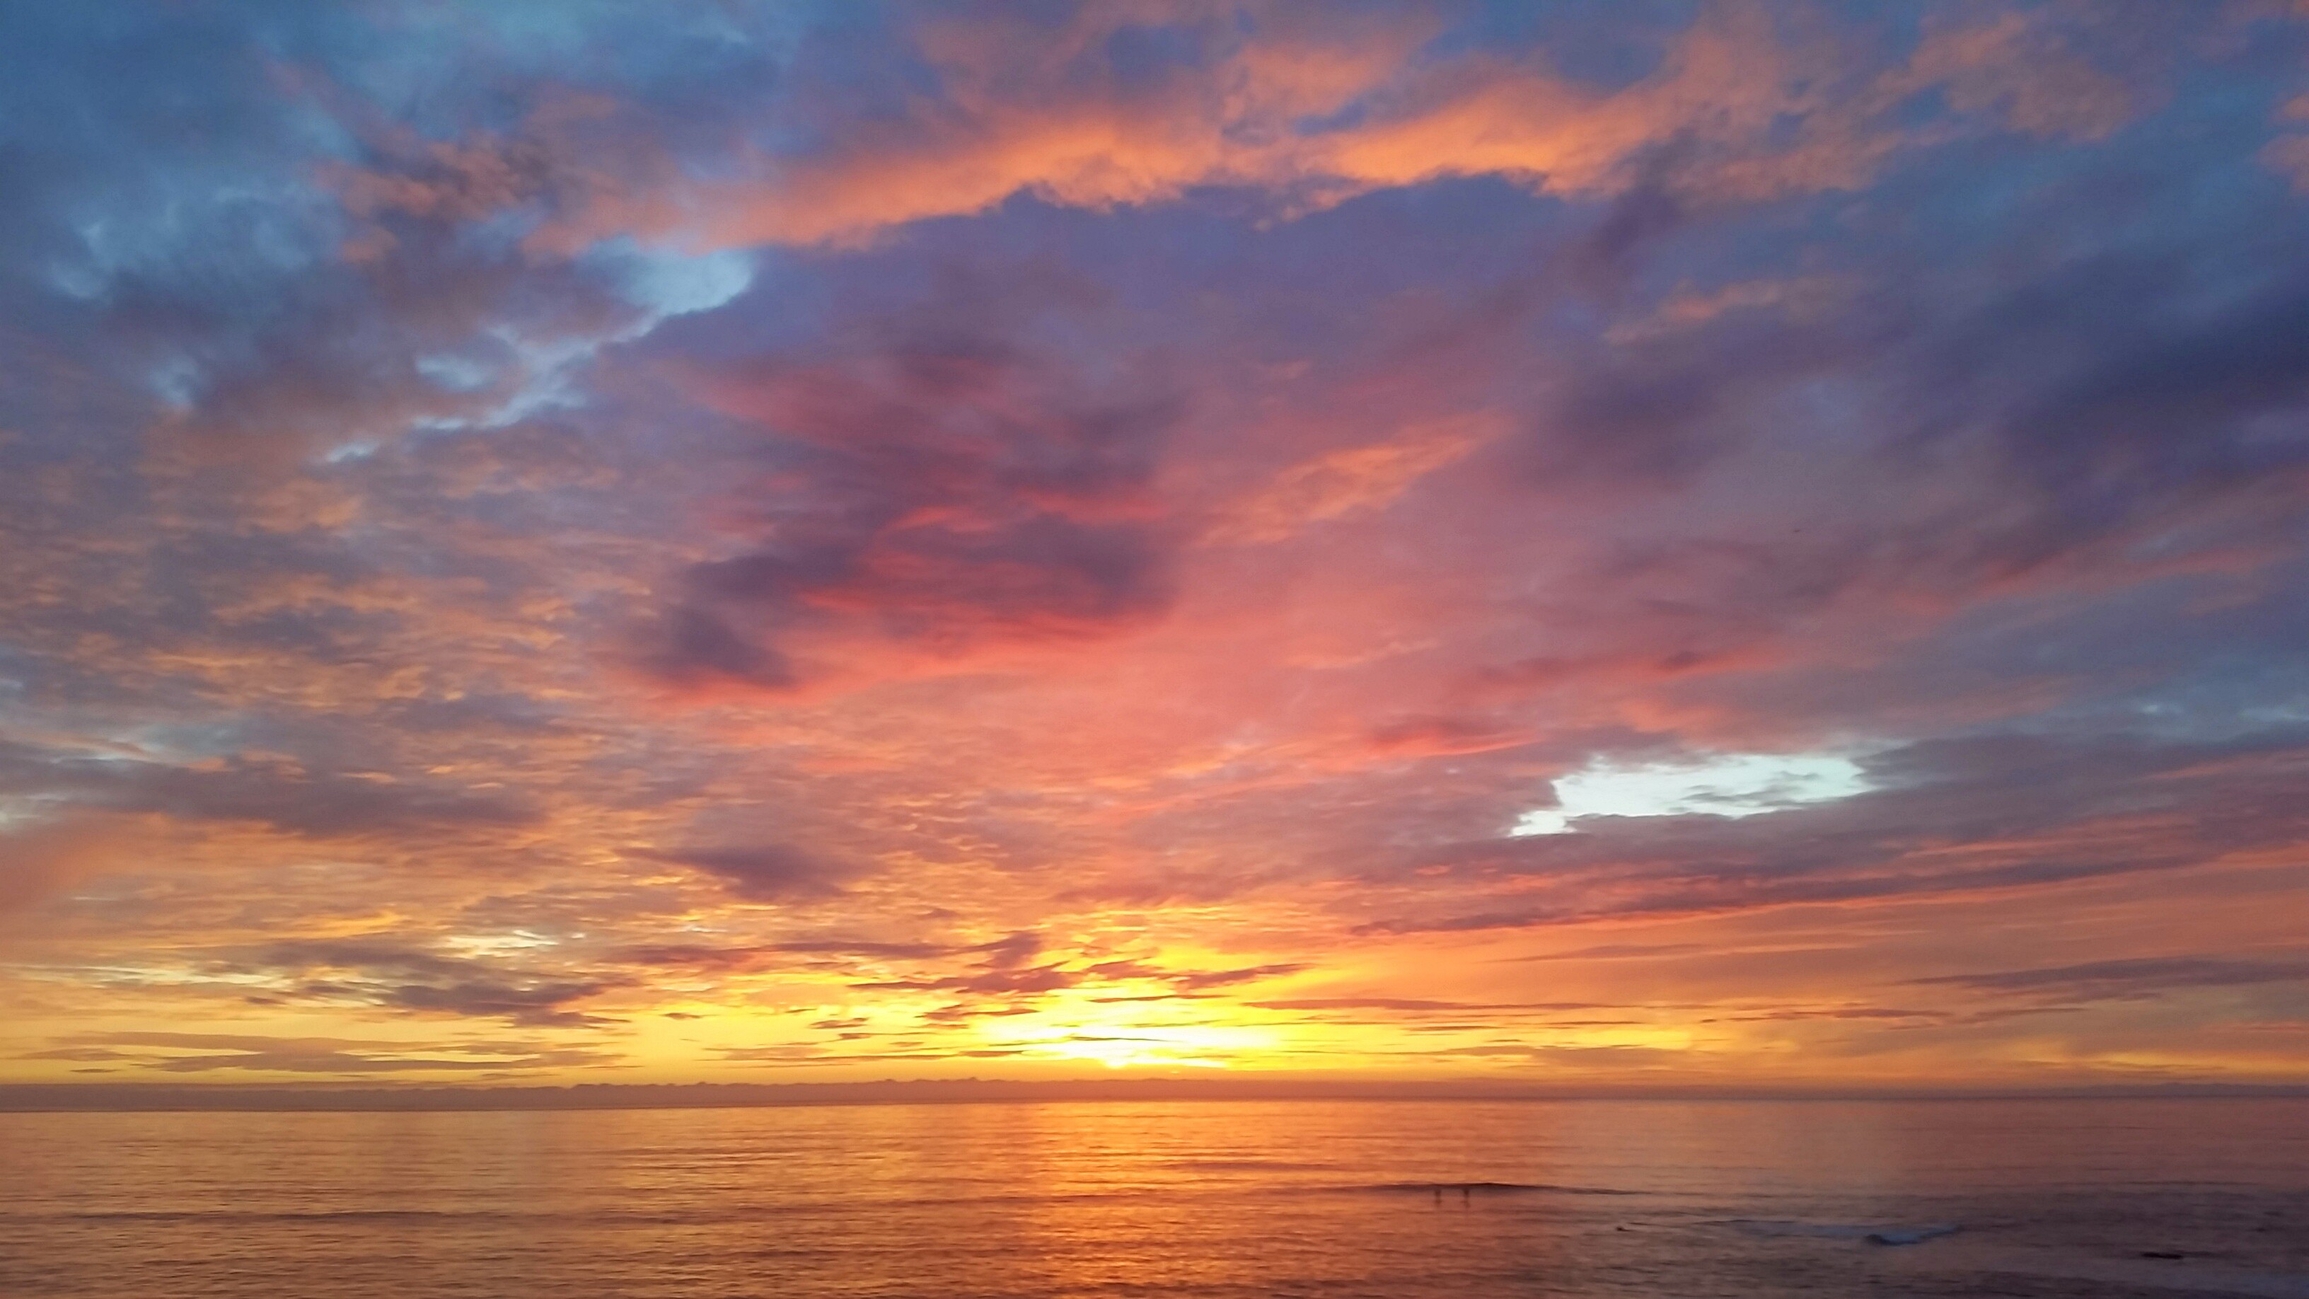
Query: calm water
{"points": [[1205, 1199]]}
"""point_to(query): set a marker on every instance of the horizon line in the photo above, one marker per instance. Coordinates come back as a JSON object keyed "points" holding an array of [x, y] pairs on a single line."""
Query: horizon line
{"points": [[292, 1097]]}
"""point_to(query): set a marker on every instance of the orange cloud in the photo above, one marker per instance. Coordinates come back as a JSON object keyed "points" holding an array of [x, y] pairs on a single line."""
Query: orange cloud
{"points": [[1031, 112], [38, 862], [1351, 481]]}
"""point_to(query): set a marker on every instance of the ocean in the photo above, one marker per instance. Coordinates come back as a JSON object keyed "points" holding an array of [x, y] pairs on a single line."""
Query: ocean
{"points": [[2099, 1197]]}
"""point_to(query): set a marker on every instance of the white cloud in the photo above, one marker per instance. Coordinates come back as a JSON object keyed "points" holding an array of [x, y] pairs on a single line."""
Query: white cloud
{"points": [[1730, 785], [668, 283]]}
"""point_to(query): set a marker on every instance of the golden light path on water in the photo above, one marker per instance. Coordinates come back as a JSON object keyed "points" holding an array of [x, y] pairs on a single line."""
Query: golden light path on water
{"points": [[1382, 1198]]}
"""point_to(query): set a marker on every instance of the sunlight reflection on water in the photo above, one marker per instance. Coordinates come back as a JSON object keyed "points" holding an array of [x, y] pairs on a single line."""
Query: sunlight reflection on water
{"points": [[1217, 1199]]}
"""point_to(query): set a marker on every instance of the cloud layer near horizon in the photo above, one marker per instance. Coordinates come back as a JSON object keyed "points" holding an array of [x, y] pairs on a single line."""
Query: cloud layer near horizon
{"points": [[734, 542]]}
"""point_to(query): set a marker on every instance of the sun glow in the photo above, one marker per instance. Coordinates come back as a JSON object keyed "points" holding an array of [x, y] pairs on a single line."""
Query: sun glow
{"points": [[1197, 1048]]}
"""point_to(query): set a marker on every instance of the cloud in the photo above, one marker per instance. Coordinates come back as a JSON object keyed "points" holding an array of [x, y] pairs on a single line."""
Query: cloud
{"points": [[277, 792], [1011, 952], [1727, 785], [1193, 981], [1005, 971], [695, 648], [942, 483], [988, 525], [170, 1052], [761, 873], [1955, 817], [382, 973], [1079, 111], [40, 860], [1341, 484], [1410, 1005], [1617, 951], [1429, 736], [2128, 978]]}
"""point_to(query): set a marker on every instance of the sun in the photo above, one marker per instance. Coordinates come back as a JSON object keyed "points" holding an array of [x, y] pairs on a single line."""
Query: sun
{"points": [[1122, 1046]]}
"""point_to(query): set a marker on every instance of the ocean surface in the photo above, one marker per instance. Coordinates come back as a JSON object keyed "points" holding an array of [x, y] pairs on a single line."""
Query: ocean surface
{"points": [[1261, 1198]]}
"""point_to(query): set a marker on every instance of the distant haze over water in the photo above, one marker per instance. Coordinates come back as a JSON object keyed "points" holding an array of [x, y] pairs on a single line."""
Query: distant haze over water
{"points": [[39, 1097]]}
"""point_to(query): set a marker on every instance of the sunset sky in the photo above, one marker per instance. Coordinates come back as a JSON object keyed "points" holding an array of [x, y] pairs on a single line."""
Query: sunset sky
{"points": [[1598, 542]]}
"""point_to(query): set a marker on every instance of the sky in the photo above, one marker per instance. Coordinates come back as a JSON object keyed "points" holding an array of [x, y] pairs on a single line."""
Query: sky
{"points": [[1603, 542]]}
